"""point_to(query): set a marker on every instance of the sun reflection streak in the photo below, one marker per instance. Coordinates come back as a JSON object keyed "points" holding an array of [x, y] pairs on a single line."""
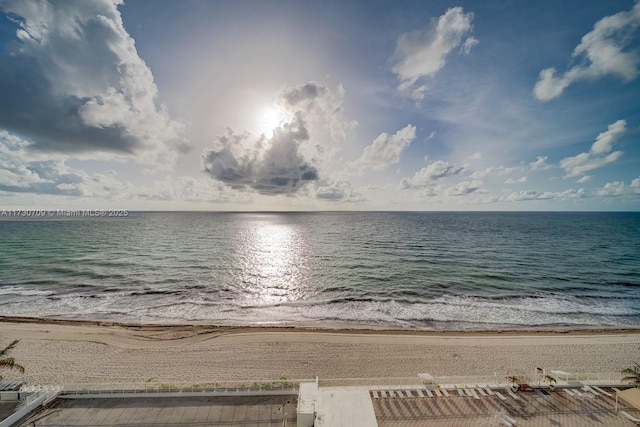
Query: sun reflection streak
{"points": [[274, 264]]}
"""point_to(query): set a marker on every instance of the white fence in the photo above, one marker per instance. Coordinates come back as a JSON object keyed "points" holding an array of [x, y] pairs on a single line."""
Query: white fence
{"points": [[244, 387], [285, 386], [38, 395], [607, 378]]}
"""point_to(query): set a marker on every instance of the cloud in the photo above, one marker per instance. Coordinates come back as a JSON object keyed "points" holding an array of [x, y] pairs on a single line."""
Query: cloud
{"points": [[427, 176], [331, 193], [516, 181], [386, 149], [73, 82], [304, 94], [605, 140], [310, 141], [468, 44], [270, 166], [338, 191], [498, 171], [19, 174], [430, 191], [464, 188], [421, 54], [539, 164], [635, 185], [584, 179], [15, 173], [22, 173], [322, 111], [586, 162], [597, 156], [526, 195], [601, 52], [611, 189], [188, 189]]}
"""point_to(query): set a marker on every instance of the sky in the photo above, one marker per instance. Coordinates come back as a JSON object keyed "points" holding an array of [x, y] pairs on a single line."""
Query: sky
{"points": [[334, 105]]}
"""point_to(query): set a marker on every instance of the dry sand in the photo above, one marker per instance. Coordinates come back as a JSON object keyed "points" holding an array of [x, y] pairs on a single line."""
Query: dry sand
{"points": [[62, 352]]}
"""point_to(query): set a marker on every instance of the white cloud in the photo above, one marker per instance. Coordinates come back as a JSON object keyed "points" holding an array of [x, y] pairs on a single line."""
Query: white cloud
{"points": [[322, 111], [188, 189], [14, 170], [464, 188], [525, 195], [20, 173], [421, 54], [597, 156], [602, 52], [386, 149], [586, 162], [611, 189], [635, 185], [468, 44], [25, 173], [498, 171], [309, 142], [74, 83], [516, 181], [605, 140], [282, 164], [427, 176], [430, 192], [539, 164], [584, 179]]}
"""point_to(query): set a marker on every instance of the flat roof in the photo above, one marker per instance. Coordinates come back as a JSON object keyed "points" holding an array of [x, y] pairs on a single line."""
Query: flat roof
{"points": [[532, 408], [352, 406], [7, 408], [249, 411], [345, 407]]}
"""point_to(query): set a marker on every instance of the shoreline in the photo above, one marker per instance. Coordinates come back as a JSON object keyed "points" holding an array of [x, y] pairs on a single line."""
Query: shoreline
{"points": [[58, 351], [337, 328]]}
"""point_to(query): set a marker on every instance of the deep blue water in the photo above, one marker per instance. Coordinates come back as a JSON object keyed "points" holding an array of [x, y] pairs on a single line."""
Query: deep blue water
{"points": [[408, 270]]}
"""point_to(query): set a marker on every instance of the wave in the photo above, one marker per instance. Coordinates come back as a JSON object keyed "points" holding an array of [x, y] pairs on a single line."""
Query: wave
{"points": [[435, 313], [399, 270]]}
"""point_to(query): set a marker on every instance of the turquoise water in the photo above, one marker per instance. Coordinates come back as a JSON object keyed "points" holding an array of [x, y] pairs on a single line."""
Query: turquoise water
{"points": [[400, 270]]}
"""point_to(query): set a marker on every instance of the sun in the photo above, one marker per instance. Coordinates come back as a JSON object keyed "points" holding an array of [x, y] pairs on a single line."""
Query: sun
{"points": [[272, 118]]}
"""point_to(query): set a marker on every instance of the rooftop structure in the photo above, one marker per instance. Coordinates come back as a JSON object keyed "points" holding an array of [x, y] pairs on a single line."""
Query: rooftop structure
{"points": [[424, 401]]}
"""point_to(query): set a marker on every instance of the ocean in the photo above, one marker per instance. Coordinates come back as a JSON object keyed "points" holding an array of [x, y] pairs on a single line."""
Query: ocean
{"points": [[438, 271]]}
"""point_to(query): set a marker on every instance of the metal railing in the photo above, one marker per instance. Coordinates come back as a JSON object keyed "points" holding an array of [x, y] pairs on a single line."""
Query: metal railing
{"points": [[174, 387], [37, 392], [293, 385], [612, 378]]}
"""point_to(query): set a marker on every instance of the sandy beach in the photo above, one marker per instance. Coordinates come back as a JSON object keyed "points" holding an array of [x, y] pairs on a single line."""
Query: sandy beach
{"points": [[62, 352]]}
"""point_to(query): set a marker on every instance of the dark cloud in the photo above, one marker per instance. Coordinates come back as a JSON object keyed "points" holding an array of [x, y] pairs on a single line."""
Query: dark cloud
{"points": [[305, 92], [330, 193], [338, 191], [271, 166], [29, 108], [73, 82]]}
